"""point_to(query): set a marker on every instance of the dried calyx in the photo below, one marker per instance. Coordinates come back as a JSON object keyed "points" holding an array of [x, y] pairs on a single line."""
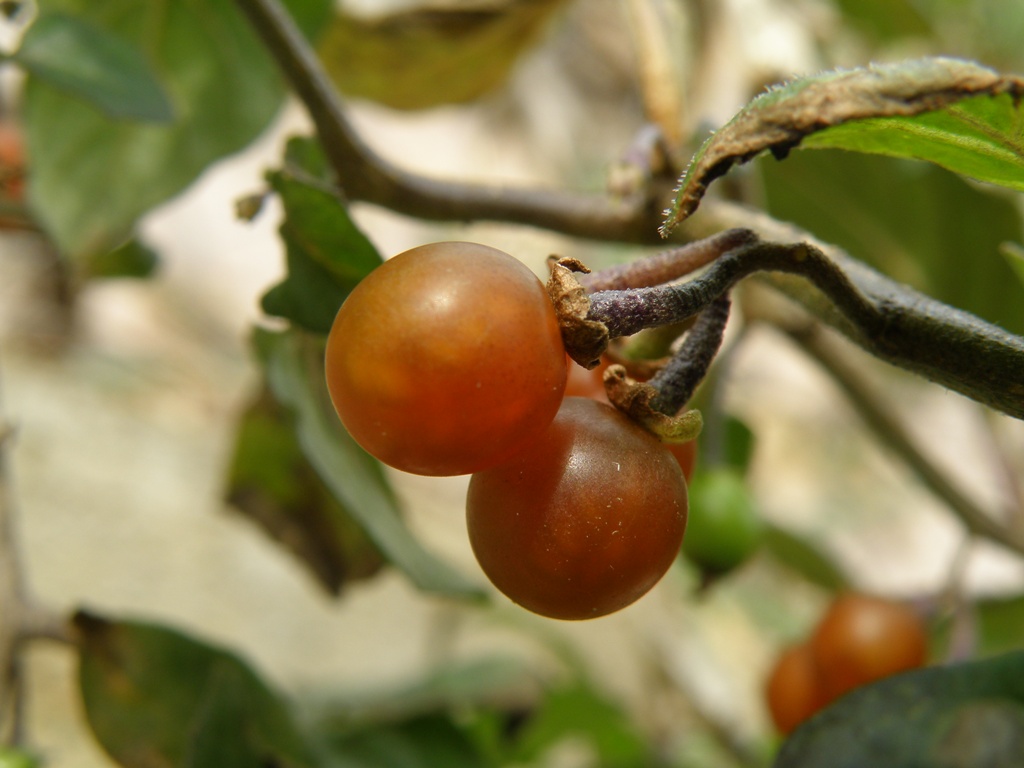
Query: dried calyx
{"points": [[589, 319]]}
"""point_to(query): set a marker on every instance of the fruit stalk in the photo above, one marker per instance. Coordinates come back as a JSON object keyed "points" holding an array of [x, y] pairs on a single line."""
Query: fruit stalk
{"points": [[678, 380], [669, 265]]}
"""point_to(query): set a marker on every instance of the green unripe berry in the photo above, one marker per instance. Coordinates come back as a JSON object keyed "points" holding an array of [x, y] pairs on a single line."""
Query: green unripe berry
{"points": [[724, 528]]}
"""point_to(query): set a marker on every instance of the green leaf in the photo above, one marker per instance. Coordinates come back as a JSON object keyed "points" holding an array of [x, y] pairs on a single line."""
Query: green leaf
{"points": [[428, 57], [954, 113], [1014, 254], [92, 176], [427, 741], [802, 556], [915, 222], [294, 365], [132, 259], [305, 157], [90, 63], [886, 19], [577, 711], [327, 254], [737, 443], [1000, 624], [15, 10], [273, 484], [413, 722], [968, 714], [454, 686], [156, 697], [222, 713]]}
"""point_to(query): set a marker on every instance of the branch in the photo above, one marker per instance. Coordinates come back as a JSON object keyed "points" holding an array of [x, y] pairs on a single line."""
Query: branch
{"points": [[897, 324], [678, 380], [887, 426], [627, 312], [910, 330], [11, 590], [365, 176], [893, 322], [21, 619], [669, 265]]}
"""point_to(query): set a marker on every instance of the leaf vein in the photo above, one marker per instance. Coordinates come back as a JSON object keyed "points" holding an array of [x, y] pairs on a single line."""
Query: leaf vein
{"points": [[995, 148]]}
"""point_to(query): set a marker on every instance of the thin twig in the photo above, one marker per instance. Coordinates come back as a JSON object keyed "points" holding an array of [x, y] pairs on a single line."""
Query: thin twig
{"points": [[627, 312], [1008, 473], [720, 727], [963, 631], [666, 266], [363, 175], [657, 31], [11, 598], [907, 329], [21, 618], [893, 322], [920, 334], [678, 380], [890, 430]]}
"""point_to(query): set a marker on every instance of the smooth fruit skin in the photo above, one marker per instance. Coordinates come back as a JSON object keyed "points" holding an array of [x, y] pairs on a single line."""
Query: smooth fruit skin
{"points": [[686, 455], [12, 176], [724, 528], [585, 520], [862, 638], [583, 382], [446, 359], [12, 162], [590, 383], [794, 689]]}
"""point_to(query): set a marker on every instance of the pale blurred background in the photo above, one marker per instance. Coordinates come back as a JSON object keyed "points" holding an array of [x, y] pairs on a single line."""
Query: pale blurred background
{"points": [[126, 405]]}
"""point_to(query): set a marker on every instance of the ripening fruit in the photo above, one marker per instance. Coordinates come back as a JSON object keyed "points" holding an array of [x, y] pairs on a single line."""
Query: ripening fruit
{"points": [[13, 214], [686, 455], [724, 528], [12, 161], [584, 520], [862, 638], [583, 382], [446, 359], [590, 383], [794, 689]]}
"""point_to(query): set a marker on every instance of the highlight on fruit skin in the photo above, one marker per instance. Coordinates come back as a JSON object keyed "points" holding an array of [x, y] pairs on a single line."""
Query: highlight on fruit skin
{"points": [[446, 359], [585, 520]]}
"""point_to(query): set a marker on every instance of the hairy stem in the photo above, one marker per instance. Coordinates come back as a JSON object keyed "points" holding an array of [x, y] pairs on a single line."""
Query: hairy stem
{"points": [[627, 312], [678, 380], [915, 332], [898, 324], [893, 322], [669, 265]]}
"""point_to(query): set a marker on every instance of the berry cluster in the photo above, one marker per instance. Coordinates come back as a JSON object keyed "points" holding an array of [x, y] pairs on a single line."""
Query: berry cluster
{"points": [[448, 360], [859, 640]]}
